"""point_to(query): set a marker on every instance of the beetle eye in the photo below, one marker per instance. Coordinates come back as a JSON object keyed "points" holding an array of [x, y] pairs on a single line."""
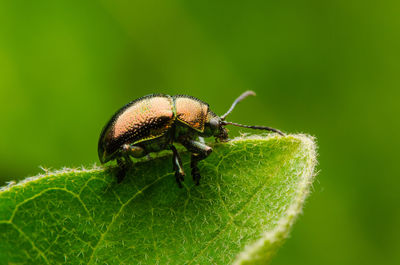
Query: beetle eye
{"points": [[214, 123]]}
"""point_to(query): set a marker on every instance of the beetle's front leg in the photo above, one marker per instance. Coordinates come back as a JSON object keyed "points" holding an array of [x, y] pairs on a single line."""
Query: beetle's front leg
{"points": [[199, 152], [177, 166]]}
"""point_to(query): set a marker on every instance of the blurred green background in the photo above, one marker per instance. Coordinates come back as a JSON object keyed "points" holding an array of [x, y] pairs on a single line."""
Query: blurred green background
{"points": [[327, 68]]}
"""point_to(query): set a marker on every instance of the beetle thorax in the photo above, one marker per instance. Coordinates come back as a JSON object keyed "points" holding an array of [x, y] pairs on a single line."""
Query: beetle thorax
{"points": [[191, 111]]}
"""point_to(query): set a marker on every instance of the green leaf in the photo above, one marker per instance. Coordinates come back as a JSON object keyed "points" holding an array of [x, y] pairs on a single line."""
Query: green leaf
{"points": [[251, 191]]}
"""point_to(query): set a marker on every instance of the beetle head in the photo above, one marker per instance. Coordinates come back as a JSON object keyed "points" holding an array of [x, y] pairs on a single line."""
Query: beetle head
{"points": [[213, 127], [218, 129], [223, 134]]}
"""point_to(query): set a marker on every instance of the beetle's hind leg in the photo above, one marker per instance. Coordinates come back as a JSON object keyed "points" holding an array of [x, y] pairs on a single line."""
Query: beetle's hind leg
{"points": [[199, 152], [123, 166], [125, 162], [177, 166]]}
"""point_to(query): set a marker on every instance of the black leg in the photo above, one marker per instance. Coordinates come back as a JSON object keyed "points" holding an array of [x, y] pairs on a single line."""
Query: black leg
{"points": [[177, 166], [195, 169], [124, 165], [124, 162], [199, 152]]}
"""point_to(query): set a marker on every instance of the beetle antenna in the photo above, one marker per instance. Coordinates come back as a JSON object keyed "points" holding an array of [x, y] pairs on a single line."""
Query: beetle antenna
{"points": [[240, 98], [253, 127]]}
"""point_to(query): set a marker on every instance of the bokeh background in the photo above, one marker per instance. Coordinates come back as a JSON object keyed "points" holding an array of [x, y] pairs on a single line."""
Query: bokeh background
{"points": [[326, 68]]}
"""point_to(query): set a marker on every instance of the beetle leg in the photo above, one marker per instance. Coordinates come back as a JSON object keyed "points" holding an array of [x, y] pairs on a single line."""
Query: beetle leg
{"points": [[123, 167], [177, 166], [199, 152], [125, 163]]}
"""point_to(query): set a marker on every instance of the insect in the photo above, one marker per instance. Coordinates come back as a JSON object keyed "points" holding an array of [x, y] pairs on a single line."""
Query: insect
{"points": [[155, 122]]}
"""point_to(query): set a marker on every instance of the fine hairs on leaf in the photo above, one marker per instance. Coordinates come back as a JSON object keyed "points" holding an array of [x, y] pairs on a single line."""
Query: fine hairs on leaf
{"points": [[251, 191]]}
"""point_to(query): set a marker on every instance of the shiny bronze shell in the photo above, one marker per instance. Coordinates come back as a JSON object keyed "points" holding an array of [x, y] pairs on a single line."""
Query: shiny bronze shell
{"points": [[191, 111], [146, 118]]}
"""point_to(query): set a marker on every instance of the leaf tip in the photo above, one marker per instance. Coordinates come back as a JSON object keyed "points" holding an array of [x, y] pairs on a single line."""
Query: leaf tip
{"points": [[262, 250]]}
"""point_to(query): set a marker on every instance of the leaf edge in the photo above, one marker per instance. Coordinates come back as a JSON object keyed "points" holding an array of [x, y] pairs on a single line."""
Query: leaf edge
{"points": [[262, 250]]}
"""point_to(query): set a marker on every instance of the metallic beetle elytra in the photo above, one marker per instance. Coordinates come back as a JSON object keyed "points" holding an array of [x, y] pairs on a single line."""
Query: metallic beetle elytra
{"points": [[154, 122]]}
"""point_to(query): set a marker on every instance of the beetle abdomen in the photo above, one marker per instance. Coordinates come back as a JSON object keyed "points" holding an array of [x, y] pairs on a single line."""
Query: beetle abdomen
{"points": [[191, 111], [146, 118]]}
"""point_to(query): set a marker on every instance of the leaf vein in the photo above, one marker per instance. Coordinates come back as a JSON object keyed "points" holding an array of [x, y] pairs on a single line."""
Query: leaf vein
{"points": [[47, 190], [31, 242], [120, 211], [260, 187]]}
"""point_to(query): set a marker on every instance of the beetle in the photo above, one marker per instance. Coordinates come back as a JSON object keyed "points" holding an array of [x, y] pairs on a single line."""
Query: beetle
{"points": [[155, 122]]}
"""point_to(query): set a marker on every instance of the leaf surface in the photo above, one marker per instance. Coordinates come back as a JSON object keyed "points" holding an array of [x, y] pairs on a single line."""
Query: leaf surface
{"points": [[251, 190]]}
